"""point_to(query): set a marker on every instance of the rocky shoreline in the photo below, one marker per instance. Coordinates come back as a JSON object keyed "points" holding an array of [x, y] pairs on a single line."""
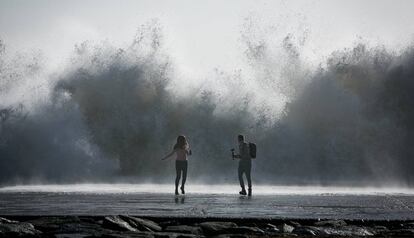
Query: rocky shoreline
{"points": [[131, 226]]}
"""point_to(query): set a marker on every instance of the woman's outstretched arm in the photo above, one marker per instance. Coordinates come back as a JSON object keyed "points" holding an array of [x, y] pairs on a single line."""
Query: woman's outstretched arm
{"points": [[169, 155]]}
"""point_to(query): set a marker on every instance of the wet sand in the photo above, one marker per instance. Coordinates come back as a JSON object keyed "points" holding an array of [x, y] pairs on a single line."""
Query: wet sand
{"points": [[141, 201]]}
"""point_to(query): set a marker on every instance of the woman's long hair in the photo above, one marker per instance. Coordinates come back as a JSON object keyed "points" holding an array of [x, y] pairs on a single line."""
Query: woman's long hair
{"points": [[181, 143]]}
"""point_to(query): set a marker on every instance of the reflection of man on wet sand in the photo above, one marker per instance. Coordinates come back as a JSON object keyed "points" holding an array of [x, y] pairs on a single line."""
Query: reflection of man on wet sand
{"points": [[245, 164]]}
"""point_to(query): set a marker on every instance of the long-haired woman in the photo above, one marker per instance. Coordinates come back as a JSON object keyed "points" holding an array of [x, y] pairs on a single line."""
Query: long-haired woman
{"points": [[182, 150]]}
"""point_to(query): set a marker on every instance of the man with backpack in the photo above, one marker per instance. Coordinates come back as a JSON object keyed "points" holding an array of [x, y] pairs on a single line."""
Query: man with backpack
{"points": [[247, 151]]}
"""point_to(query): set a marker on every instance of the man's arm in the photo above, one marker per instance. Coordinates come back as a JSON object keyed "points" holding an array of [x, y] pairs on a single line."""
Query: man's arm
{"points": [[239, 155]]}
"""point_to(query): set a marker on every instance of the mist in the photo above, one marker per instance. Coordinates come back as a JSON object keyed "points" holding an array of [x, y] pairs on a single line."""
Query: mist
{"points": [[112, 112]]}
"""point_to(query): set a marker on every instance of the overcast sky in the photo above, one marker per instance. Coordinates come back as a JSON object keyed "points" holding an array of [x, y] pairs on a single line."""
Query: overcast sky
{"points": [[201, 35]]}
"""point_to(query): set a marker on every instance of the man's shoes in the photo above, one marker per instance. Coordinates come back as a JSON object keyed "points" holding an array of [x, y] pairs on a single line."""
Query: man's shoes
{"points": [[182, 190], [176, 192], [243, 192], [250, 192]]}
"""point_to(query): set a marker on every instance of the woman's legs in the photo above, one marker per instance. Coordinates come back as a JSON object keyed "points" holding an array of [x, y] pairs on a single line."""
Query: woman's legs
{"points": [[180, 166], [184, 168], [177, 175]]}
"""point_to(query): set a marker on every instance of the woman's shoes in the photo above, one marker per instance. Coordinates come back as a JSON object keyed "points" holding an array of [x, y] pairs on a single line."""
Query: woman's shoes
{"points": [[182, 191], [243, 192]]}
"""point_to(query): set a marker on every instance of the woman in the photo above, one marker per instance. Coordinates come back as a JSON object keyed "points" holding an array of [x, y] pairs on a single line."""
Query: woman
{"points": [[181, 149]]}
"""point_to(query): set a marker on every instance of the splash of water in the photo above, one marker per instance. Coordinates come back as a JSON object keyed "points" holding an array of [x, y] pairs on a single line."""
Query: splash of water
{"points": [[350, 122]]}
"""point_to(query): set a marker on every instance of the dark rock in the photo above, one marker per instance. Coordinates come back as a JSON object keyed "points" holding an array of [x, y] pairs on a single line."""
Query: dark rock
{"points": [[116, 223], [380, 228], [51, 224], [334, 223], [251, 224], [73, 235], [10, 228], [186, 236], [399, 233], [358, 231], [335, 231], [306, 230], [409, 225], [164, 224], [232, 236], [7, 221], [127, 234], [173, 235], [285, 228], [244, 230], [80, 228], [271, 228], [215, 227], [129, 226], [142, 224], [184, 229], [90, 220], [294, 223], [68, 225]]}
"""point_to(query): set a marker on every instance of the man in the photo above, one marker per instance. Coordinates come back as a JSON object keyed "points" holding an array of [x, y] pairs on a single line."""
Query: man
{"points": [[245, 165]]}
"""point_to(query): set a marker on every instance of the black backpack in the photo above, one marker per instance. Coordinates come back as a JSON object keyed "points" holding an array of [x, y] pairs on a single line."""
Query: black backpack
{"points": [[252, 150]]}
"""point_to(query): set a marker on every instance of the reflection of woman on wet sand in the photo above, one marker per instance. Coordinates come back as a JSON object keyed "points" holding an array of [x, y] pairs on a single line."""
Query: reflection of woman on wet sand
{"points": [[181, 149]]}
